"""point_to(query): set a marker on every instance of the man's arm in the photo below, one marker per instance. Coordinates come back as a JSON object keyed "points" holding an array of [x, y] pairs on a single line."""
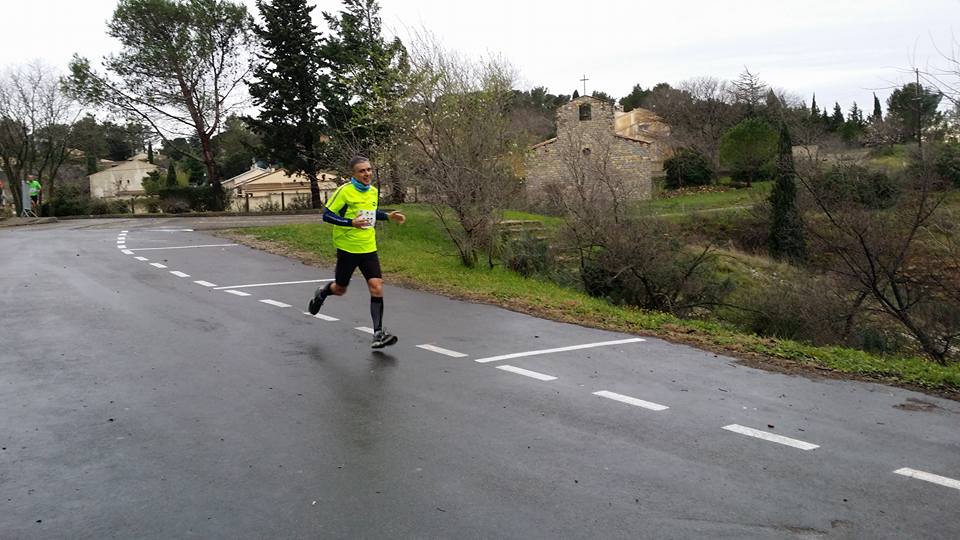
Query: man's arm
{"points": [[335, 219]]}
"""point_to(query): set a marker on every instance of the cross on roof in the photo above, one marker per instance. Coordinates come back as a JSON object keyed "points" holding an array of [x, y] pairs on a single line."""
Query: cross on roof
{"points": [[584, 81]]}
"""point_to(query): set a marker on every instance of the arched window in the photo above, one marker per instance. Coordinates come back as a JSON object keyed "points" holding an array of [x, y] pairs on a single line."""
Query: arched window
{"points": [[585, 112]]}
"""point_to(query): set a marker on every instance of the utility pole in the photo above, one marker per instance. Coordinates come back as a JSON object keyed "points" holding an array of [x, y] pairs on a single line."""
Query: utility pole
{"points": [[919, 108]]}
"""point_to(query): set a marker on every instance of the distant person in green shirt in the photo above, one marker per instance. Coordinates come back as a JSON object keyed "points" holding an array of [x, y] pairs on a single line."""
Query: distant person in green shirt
{"points": [[353, 209], [35, 188]]}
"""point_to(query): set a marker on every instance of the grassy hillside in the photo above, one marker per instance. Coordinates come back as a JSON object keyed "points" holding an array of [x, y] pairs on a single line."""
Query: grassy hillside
{"points": [[419, 254]]}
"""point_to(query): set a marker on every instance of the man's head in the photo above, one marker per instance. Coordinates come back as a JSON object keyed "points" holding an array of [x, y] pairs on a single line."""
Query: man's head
{"points": [[361, 169]]}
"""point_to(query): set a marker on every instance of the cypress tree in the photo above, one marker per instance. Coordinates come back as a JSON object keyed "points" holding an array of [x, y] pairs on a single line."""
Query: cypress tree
{"points": [[171, 175], [877, 110], [787, 240], [814, 110], [287, 88], [150, 151]]}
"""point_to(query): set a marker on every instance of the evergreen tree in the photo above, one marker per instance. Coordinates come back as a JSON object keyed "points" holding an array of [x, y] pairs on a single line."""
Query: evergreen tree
{"points": [[288, 86], [877, 115], [856, 115], [825, 119], [576, 94], [150, 151], [171, 175], [787, 240], [914, 108], [836, 121], [635, 98], [814, 110], [368, 78]]}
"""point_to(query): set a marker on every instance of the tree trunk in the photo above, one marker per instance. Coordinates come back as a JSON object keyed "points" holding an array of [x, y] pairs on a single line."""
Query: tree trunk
{"points": [[315, 201]]}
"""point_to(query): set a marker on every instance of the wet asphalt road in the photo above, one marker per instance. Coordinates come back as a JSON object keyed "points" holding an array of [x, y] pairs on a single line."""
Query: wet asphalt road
{"points": [[138, 403]]}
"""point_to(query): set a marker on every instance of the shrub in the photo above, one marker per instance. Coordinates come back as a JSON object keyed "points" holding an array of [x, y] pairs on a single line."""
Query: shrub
{"points": [[867, 188], [527, 255], [196, 198], [174, 205], [643, 264], [946, 163], [300, 202], [688, 167], [749, 150]]}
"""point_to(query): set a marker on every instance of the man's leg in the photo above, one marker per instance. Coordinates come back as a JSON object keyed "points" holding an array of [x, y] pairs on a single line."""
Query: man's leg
{"points": [[346, 264], [370, 267]]}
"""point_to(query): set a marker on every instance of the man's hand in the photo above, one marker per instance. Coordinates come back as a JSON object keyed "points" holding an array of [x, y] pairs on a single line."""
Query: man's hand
{"points": [[397, 217], [360, 222]]}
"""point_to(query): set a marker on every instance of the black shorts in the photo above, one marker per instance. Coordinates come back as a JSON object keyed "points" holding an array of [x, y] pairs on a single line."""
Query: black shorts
{"points": [[35, 198], [369, 264]]}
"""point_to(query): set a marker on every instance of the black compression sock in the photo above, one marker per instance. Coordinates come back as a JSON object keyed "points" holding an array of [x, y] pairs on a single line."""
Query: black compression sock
{"points": [[325, 292], [376, 311]]}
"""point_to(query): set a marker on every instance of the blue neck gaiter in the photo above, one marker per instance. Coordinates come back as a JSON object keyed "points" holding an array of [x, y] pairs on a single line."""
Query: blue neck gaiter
{"points": [[361, 187]]}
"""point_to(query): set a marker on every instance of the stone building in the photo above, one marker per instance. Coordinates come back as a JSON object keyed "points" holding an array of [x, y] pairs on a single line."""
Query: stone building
{"points": [[593, 135]]}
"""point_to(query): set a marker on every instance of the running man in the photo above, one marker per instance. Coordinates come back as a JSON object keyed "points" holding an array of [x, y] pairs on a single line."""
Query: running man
{"points": [[35, 188], [353, 209]]}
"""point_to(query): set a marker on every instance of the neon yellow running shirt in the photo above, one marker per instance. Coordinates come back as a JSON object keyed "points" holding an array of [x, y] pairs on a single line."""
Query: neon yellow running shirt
{"points": [[347, 201]]}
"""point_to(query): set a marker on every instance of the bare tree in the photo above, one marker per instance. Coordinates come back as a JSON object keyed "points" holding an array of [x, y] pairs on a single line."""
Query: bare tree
{"points": [[885, 254], [36, 124], [466, 148], [699, 111]]}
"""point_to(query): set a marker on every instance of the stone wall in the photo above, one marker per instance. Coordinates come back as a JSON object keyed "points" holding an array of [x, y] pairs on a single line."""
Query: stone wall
{"points": [[589, 144]]}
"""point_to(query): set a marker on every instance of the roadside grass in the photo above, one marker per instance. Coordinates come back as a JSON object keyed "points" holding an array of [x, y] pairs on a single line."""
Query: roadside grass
{"points": [[420, 255], [730, 199]]}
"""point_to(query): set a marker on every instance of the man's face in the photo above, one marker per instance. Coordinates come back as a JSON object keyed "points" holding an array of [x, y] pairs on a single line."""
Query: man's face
{"points": [[363, 172]]}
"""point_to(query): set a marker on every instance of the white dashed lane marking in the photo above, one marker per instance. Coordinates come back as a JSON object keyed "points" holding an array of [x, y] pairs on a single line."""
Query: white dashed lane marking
{"points": [[780, 439], [238, 293], [250, 285], [366, 329], [205, 283], [559, 349], [144, 259], [322, 317], [528, 373], [158, 265], [179, 273], [929, 477], [631, 400], [275, 303], [184, 247], [127, 252], [441, 350]]}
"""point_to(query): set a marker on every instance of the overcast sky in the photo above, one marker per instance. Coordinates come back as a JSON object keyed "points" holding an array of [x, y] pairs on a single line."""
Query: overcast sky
{"points": [[841, 49]]}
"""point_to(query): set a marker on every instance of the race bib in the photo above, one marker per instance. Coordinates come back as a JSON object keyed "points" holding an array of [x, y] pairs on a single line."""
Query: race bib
{"points": [[370, 215]]}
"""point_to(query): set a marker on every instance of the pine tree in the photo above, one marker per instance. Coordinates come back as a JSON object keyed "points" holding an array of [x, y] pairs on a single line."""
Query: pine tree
{"points": [[171, 175], [368, 80], [877, 115], [576, 94], [836, 121], [787, 240], [814, 110], [288, 87], [149, 151]]}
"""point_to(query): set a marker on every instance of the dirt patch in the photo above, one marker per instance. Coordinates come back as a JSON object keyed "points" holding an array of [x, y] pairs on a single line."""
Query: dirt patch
{"points": [[671, 333], [912, 404]]}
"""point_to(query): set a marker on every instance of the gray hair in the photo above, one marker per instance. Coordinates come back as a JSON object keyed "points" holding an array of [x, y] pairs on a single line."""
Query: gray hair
{"points": [[357, 160]]}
